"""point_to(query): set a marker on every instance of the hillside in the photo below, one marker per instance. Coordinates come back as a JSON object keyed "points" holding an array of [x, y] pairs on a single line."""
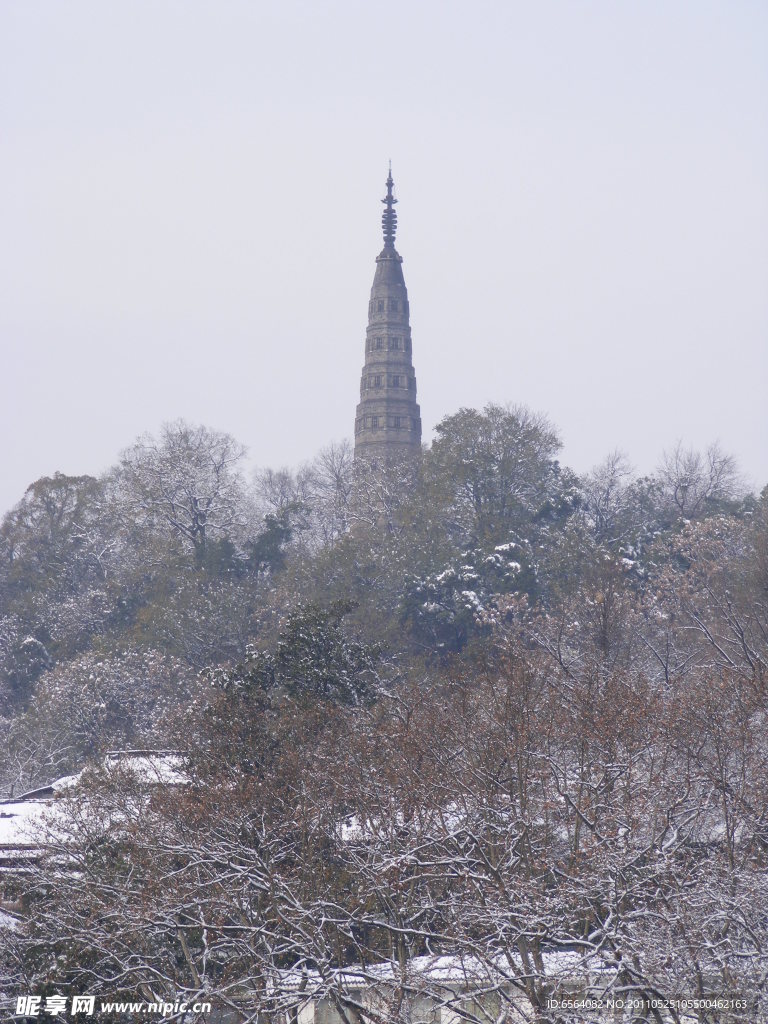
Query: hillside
{"points": [[466, 704]]}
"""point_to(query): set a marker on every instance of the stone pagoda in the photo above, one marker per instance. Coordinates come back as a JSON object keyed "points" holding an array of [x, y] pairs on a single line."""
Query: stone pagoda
{"points": [[388, 421]]}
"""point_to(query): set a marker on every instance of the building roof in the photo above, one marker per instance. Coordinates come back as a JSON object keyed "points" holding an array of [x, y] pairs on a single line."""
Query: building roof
{"points": [[448, 971], [21, 817]]}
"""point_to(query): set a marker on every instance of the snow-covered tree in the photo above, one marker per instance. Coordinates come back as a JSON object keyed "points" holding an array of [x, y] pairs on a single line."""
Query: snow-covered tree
{"points": [[187, 482]]}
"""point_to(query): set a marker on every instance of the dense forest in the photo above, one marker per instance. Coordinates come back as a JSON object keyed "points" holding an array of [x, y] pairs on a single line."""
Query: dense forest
{"points": [[469, 704]]}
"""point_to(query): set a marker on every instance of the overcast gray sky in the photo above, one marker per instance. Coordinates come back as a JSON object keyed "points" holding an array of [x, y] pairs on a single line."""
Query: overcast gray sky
{"points": [[189, 211]]}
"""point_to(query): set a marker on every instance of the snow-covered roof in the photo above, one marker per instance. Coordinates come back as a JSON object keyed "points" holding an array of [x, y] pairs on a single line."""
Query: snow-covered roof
{"points": [[151, 767], [442, 971], [8, 922], [20, 819], [17, 820]]}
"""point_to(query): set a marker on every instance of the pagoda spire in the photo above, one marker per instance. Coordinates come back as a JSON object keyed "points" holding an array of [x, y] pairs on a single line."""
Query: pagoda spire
{"points": [[388, 420], [389, 217]]}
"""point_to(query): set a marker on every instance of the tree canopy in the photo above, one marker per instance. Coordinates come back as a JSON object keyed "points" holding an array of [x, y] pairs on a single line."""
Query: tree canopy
{"points": [[473, 704]]}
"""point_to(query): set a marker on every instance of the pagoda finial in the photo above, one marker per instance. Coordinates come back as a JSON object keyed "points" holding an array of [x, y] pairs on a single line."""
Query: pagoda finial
{"points": [[389, 217]]}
